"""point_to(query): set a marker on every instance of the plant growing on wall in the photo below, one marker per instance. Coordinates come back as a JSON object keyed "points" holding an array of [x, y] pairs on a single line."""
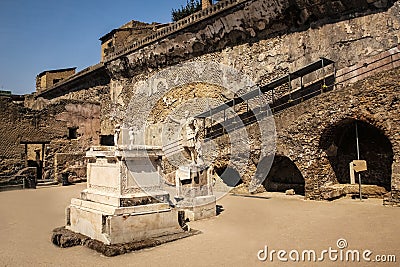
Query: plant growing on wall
{"points": [[191, 7]]}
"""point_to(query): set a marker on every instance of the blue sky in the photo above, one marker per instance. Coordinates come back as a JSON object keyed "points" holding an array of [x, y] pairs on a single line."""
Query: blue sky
{"points": [[38, 35]]}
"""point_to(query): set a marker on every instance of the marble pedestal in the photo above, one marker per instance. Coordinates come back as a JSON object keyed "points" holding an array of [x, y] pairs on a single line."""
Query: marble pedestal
{"points": [[123, 201], [194, 192]]}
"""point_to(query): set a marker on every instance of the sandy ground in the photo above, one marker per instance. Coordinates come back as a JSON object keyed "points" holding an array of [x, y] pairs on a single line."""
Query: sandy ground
{"points": [[233, 238]]}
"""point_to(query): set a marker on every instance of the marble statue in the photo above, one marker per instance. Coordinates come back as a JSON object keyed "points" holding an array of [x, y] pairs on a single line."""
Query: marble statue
{"points": [[189, 133], [131, 137], [116, 134]]}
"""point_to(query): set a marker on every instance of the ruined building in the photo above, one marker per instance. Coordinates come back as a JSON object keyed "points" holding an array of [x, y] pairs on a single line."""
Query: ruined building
{"points": [[49, 78], [125, 35], [323, 66]]}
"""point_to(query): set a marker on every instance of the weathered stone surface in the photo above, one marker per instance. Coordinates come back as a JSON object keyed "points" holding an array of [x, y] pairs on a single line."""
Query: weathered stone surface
{"points": [[65, 238], [331, 192], [346, 41], [262, 40], [300, 139], [290, 192], [199, 210], [274, 47]]}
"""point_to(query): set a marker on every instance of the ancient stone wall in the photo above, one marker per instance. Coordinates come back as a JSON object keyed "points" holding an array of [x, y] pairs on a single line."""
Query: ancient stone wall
{"points": [[10, 149], [120, 38], [98, 95], [265, 40], [271, 52], [49, 78], [262, 40], [276, 40], [19, 124], [83, 119], [301, 130], [49, 125]]}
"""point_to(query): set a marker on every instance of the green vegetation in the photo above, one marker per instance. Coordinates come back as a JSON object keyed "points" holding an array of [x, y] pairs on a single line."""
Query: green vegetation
{"points": [[191, 7]]}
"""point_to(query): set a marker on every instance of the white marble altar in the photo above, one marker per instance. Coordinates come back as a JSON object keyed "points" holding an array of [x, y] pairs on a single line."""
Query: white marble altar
{"points": [[194, 192], [123, 201]]}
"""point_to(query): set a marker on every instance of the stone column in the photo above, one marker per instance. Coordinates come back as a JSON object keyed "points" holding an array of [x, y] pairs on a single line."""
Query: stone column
{"points": [[206, 3]]}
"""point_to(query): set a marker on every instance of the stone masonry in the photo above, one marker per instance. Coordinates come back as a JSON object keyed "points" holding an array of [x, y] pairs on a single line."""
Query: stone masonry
{"points": [[49, 125], [300, 129], [264, 46], [262, 40]]}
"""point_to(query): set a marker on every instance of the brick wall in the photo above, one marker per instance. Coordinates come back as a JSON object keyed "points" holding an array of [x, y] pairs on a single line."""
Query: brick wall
{"points": [[48, 78], [374, 100], [50, 124]]}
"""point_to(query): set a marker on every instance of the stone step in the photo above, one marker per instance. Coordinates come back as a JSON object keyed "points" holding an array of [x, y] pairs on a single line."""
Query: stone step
{"points": [[47, 182]]}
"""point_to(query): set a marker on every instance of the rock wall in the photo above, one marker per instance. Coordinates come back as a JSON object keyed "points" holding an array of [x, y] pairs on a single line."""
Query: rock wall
{"points": [[266, 38], [84, 117], [301, 130], [11, 115], [50, 126], [278, 47], [259, 39], [100, 96]]}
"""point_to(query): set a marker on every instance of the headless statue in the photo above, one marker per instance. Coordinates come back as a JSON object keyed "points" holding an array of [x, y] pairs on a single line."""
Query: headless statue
{"points": [[189, 135]]}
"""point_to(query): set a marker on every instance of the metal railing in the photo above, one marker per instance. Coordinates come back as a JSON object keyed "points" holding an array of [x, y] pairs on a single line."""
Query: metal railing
{"points": [[291, 97], [382, 62]]}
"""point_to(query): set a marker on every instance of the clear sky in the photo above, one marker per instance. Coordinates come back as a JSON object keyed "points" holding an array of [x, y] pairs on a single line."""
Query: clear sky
{"points": [[38, 35]]}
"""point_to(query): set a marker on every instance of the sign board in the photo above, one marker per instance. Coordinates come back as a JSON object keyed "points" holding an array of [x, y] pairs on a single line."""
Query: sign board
{"points": [[359, 165]]}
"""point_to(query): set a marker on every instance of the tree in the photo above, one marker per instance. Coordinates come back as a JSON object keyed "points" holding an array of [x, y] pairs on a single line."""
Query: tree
{"points": [[191, 7]]}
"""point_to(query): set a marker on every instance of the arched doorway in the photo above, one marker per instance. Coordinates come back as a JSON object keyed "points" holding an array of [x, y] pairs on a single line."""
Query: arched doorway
{"points": [[339, 141], [284, 175]]}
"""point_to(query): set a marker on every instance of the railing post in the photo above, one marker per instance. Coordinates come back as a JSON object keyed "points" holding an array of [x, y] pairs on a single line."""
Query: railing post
{"points": [[204, 127], [290, 88], [334, 76], [224, 115], [301, 82], [234, 111], [391, 60], [323, 74], [223, 126], [273, 97]]}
